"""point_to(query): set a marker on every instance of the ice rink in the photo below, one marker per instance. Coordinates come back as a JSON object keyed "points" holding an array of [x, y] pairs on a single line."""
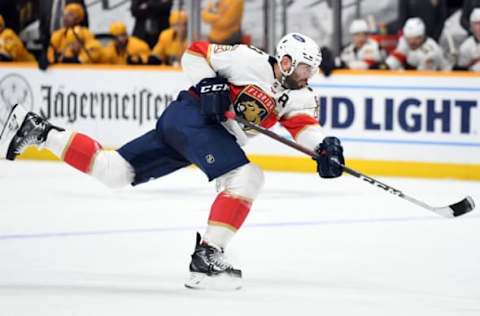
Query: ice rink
{"points": [[70, 246]]}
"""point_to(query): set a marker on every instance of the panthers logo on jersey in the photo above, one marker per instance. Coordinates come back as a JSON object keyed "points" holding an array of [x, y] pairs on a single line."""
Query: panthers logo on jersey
{"points": [[254, 105], [251, 111]]}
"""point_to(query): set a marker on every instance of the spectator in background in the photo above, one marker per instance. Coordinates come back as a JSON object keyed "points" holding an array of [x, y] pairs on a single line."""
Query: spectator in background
{"points": [[124, 49], [468, 6], [74, 43], [225, 18], [363, 52], [417, 51], [432, 12], [328, 64], [172, 42], [151, 18], [469, 54], [51, 17], [11, 46]]}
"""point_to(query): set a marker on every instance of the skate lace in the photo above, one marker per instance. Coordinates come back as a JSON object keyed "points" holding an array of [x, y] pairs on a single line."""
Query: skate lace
{"points": [[33, 138], [216, 258]]}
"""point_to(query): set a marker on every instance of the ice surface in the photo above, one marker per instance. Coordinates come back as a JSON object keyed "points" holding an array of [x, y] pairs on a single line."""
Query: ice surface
{"points": [[69, 246]]}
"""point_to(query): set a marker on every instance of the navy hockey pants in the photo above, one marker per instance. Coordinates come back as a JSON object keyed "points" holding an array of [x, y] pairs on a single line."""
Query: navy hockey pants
{"points": [[183, 136]]}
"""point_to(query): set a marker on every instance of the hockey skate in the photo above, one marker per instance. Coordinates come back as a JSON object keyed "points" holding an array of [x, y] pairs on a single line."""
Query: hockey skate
{"points": [[22, 129], [209, 270]]}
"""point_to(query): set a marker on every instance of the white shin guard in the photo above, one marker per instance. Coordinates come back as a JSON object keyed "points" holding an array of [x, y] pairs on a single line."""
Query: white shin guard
{"points": [[112, 169], [108, 166], [244, 182]]}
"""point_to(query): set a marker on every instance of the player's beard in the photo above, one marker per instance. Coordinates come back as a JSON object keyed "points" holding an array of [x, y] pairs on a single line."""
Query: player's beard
{"points": [[290, 82]]}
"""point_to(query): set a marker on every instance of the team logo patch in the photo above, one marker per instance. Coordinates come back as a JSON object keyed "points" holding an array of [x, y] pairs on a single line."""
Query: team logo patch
{"points": [[298, 38], [253, 104], [210, 159], [251, 111]]}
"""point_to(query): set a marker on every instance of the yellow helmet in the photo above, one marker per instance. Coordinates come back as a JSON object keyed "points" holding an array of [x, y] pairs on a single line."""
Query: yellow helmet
{"points": [[76, 10], [118, 28]]}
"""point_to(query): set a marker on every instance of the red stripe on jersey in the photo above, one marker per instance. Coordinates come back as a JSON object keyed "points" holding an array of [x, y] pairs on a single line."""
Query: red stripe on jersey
{"points": [[298, 122], [229, 211], [199, 48], [400, 57], [370, 62], [81, 152], [235, 91], [269, 121]]}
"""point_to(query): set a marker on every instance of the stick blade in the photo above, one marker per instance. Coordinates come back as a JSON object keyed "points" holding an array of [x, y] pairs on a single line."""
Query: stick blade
{"points": [[464, 206], [457, 209]]}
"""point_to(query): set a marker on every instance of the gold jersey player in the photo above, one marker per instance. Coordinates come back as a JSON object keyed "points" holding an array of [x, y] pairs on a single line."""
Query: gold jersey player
{"points": [[193, 130]]}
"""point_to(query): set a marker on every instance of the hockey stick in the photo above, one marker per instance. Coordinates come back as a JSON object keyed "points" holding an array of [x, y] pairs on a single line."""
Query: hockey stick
{"points": [[464, 206], [451, 47]]}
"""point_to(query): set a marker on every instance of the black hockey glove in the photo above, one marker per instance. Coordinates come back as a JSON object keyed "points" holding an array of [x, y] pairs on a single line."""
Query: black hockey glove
{"points": [[214, 98], [329, 149]]}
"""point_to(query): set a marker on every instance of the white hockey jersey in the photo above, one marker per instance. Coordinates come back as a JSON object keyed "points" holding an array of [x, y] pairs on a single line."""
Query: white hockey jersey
{"points": [[469, 54], [429, 56], [364, 58], [256, 95]]}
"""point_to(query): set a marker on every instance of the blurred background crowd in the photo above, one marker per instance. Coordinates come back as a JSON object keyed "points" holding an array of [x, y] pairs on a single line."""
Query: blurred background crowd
{"points": [[423, 35]]}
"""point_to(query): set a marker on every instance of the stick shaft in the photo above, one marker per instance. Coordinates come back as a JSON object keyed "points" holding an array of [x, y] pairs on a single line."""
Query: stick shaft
{"points": [[346, 169]]}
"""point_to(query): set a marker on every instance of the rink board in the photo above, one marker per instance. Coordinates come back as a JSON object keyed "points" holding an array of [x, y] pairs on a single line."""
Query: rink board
{"points": [[405, 124]]}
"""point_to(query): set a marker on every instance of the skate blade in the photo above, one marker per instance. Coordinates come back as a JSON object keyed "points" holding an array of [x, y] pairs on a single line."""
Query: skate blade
{"points": [[222, 282], [10, 127]]}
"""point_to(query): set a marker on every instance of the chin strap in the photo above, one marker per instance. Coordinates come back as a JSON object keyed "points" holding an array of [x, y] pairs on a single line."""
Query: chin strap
{"points": [[285, 74], [283, 81]]}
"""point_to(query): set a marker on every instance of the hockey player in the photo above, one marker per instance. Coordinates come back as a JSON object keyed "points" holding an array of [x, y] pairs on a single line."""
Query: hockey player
{"points": [[363, 52], [417, 51], [193, 129], [469, 54]]}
